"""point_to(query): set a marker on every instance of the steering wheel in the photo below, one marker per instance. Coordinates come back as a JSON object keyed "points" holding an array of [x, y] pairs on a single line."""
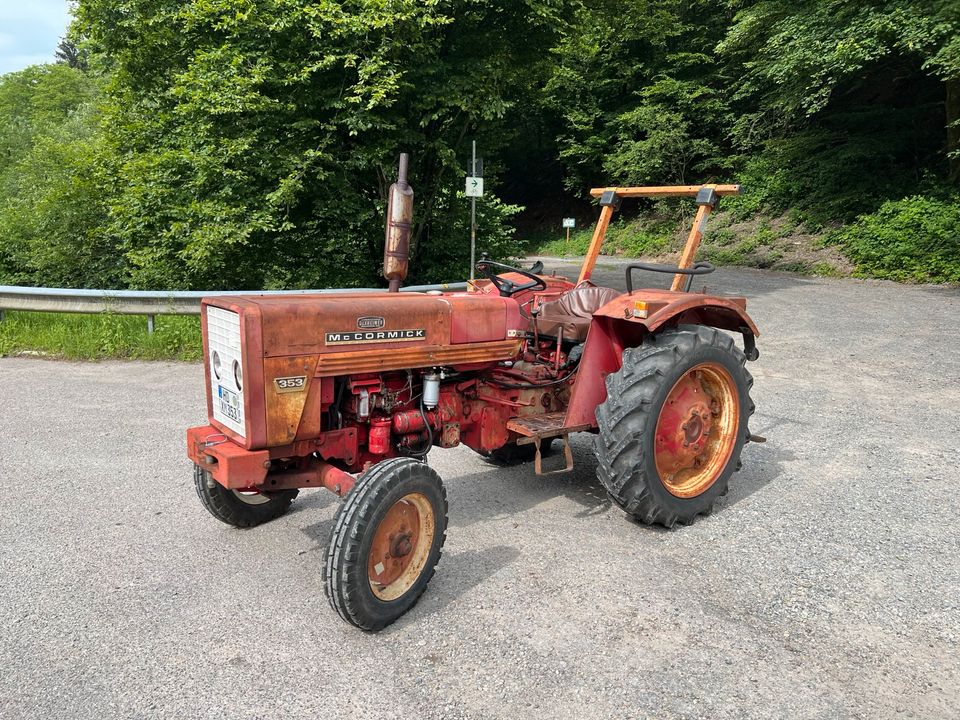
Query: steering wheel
{"points": [[508, 287]]}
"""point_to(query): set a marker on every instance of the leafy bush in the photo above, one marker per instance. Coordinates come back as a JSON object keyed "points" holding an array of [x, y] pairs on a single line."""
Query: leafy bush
{"points": [[917, 238], [54, 182], [726, 248], [556, 244], [257, 140]]}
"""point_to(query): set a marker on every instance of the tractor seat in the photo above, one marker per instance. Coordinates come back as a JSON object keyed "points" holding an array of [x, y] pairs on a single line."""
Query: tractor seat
{"points": [[573, 311]]}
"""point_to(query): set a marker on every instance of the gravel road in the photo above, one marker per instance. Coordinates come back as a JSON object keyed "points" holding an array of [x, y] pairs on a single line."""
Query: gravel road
{"points": [[826, 584]]}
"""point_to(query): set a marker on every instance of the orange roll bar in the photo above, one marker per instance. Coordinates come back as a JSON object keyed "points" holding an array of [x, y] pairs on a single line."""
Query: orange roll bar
{"points": [[610, 200]]}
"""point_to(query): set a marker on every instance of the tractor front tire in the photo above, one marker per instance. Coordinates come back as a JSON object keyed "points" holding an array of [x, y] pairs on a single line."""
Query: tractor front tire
{"points": [[386, 542], [240, 509], [674, 424]]}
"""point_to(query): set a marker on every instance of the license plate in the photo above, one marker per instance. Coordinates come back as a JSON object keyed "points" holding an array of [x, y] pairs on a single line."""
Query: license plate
{"points": [[229, 403]]}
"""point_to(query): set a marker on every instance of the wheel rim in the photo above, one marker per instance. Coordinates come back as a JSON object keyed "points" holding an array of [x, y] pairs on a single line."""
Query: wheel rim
{"points": [[697, 430], [401, 544], [251, 497]]}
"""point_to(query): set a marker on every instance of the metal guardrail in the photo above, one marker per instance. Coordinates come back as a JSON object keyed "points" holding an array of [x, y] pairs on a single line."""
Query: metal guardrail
{"points": [[150, 302]]}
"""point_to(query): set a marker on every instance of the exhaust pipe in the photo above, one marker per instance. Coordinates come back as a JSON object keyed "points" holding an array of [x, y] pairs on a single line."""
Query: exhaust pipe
{"points": [[396, 247]]}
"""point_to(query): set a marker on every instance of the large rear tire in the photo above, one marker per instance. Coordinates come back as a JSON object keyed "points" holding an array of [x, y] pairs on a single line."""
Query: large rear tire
{"points": [[240, 509], [386, 542], [673, 425]]}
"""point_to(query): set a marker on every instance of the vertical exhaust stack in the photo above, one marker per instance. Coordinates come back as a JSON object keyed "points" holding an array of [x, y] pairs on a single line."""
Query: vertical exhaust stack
{"points": [[396, 248]]}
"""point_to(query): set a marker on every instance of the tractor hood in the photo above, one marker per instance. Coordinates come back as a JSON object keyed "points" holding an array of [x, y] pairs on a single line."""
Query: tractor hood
{"points": [[350, 322]]}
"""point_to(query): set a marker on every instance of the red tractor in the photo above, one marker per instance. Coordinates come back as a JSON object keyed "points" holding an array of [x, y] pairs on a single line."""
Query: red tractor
{"points": [[350, 392]]}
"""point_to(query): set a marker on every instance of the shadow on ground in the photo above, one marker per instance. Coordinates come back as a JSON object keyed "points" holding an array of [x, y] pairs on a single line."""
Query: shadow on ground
{"points": [[460, 573]]}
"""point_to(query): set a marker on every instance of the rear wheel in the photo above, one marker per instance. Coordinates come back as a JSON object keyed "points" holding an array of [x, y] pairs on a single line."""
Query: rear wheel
{"points": [[242, 509], [386, 543], [673, 424]]}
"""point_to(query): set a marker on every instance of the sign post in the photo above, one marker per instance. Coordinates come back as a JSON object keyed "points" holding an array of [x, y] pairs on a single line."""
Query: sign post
{"points": [[474, 189], [569, 223]]}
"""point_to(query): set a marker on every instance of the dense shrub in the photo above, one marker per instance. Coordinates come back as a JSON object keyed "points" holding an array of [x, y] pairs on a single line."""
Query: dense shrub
{"points": [[917, 239], [54, 182]]}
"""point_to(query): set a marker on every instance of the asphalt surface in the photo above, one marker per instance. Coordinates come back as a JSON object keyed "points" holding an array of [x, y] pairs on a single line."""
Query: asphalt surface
{"points": [[826, 584]]}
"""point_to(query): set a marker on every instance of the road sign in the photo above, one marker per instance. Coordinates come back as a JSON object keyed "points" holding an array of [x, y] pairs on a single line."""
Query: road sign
{"points": [[569, 222], [474, 186]]}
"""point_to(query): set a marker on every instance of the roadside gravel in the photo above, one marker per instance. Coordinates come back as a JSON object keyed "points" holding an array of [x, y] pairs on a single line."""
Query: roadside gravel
{"points": [[826, 584]]}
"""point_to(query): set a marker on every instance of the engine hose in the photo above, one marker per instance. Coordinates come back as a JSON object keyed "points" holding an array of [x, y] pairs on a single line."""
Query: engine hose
{"points": [[422, 454], [426, 421]]}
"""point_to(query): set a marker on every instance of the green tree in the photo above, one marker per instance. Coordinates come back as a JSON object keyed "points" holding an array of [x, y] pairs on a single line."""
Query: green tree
{"points": [[845, 103], [257, 139], [68, 53], [34, 100], [638, 90], [54, 182]]}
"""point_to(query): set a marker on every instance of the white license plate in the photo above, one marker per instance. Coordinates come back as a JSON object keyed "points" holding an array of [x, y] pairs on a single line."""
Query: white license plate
{"points": [[229, 403]]}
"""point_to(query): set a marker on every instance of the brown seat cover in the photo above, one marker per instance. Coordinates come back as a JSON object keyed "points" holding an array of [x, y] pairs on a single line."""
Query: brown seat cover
{"points": [[572, 312]]}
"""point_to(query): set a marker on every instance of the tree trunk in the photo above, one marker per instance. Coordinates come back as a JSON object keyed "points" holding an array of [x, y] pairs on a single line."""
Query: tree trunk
{"points": [[953, 128]]}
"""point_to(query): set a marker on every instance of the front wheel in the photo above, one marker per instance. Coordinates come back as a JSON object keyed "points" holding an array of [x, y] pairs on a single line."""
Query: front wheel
{"points": [[386, 543], [673, 425], [242, 509]]}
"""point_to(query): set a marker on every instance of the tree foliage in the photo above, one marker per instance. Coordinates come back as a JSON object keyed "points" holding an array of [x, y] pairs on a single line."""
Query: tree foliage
{"points": [[54, 182], [68, 53], [257, 139], [847, 97], [250, 143], [637, 88]]}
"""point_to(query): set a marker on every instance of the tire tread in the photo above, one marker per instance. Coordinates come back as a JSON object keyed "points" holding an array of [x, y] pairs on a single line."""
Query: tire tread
{"points": [[629, 412], [343, 565]]}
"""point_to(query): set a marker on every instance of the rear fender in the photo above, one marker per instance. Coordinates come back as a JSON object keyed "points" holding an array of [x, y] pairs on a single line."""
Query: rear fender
{"points": [[625, 321]]}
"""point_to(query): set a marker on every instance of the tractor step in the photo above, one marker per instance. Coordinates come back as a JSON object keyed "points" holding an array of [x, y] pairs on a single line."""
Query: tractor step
{"points": [[547, 425], [535, 428]]}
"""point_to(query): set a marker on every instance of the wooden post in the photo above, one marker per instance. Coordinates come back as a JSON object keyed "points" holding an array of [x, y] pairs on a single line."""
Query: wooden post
{"points": [[690, 249], [599, 233]]}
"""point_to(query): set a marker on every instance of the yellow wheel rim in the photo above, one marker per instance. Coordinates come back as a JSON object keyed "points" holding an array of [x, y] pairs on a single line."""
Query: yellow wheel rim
{"points": [[400, 547], [697, 430]]}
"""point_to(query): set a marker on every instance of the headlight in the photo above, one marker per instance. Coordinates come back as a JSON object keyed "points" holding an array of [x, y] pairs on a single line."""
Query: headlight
{"points": [[238, 374], [216, 364]]}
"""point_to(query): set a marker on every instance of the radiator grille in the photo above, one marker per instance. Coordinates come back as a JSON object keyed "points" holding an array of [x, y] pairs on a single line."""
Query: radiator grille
{"points": [[226, 384]]}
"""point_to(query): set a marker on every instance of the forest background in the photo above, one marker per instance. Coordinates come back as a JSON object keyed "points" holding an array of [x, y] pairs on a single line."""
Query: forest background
{"points": [[248, 144]]}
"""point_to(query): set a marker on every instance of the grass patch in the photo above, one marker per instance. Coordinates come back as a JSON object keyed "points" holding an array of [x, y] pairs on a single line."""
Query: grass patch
{"points": [[631, 238], [729, 249], [579, 241], [778, 243], [95, 337]]}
